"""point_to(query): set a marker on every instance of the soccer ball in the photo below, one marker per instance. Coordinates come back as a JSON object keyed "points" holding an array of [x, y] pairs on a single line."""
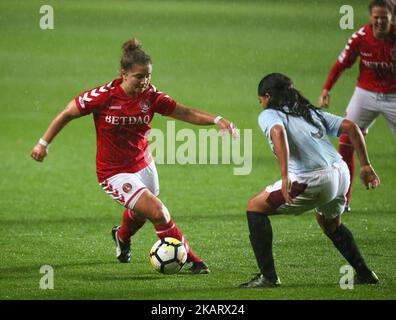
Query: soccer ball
{"points": [[168, 255]]}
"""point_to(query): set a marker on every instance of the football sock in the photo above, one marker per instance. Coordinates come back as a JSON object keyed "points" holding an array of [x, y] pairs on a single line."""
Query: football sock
{"points": [[130, 225], [261, 240], [346, 150], [343, 240], [171, 230]]}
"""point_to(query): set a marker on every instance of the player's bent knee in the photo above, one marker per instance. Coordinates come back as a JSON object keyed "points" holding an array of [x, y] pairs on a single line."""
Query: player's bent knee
{"points": [[252, 205], [328, 226], [329, 229], [257, 204], [150, 207], [160, 215]]}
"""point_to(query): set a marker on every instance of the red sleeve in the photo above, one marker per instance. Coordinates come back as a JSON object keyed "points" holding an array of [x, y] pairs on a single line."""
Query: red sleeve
{"points": [[333, 76], [346, 59], [163, 104], [94, 99]]}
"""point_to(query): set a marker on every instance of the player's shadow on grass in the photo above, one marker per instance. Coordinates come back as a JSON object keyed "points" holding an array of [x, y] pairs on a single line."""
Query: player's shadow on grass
{"points": [[120, 277], [31, 271], [42, 221], [28, 270]]}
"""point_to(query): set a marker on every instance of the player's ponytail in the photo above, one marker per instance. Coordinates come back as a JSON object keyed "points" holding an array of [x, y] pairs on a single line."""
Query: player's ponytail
{"points": [[132, 54], [131, 45], [285, 98]]}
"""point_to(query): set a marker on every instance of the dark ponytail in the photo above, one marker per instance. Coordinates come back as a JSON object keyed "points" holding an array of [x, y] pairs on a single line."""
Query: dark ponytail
{"points": [[132, 54], [285, 98]]}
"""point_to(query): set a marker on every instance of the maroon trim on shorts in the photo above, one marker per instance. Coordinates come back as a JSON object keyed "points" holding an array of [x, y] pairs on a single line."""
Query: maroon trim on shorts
{"points": [[276, 199]]}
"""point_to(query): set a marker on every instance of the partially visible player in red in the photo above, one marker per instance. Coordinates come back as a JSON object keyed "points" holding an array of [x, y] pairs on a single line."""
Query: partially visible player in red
{"points": [[392, 5], [375, 92], [122, 111]]}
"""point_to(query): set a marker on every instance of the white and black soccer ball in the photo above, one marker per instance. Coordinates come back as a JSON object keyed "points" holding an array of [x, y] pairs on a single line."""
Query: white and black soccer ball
{"points": [[168, 255]]}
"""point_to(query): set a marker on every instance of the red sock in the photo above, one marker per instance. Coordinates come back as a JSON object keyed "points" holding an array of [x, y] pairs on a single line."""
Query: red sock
{"points": [[171, 230], [130, 225], [346, 150]]}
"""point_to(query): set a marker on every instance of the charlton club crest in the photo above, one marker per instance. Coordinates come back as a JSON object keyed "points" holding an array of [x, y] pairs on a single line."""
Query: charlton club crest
{"points": [[145, 105], [126, 187]]}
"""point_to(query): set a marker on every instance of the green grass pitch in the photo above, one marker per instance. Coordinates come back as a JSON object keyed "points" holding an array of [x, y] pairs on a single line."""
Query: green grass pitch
{"points": [[207, 54]]}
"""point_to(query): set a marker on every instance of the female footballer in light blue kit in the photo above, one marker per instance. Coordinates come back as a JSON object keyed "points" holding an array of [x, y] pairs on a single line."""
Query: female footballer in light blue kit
{"points": [[314, 176]]}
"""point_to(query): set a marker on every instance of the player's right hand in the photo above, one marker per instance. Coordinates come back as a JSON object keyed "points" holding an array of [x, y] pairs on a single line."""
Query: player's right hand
{"points": [[369, 177], [224, 125], [324, 99], [39, 152], [286, 189]]}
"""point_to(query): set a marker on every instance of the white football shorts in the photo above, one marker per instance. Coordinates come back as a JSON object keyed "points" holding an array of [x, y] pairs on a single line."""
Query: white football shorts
{"points": [[323, 190], [365, 106], [127, 188]]}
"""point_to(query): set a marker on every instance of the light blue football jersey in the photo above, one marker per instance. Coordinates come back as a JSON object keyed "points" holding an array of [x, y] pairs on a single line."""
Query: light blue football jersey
{"points": [[310, 147]]}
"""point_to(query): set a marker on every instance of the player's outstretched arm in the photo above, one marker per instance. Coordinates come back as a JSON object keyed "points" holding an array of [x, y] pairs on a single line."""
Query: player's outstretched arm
{"points": [[334, 74], [349, 57], [199, 117], [367, 174], [71, 112], [281, 149]]}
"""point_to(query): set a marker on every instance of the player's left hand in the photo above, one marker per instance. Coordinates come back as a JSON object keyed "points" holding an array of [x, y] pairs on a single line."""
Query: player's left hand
{"points": [[224, 125], [369, 178]]}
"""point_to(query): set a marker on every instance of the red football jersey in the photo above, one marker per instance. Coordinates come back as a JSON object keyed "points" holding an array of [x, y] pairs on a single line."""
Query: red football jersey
{"points": [[122, 125], [377, 68]]}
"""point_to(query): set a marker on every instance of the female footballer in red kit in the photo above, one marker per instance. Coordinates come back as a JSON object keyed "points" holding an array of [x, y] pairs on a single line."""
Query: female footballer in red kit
{"points": [[375, 92], [122, 111]]}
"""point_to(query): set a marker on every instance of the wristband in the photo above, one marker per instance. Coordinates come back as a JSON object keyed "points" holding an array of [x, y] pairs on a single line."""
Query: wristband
{"points": [[43, 143], [217, 119]]}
